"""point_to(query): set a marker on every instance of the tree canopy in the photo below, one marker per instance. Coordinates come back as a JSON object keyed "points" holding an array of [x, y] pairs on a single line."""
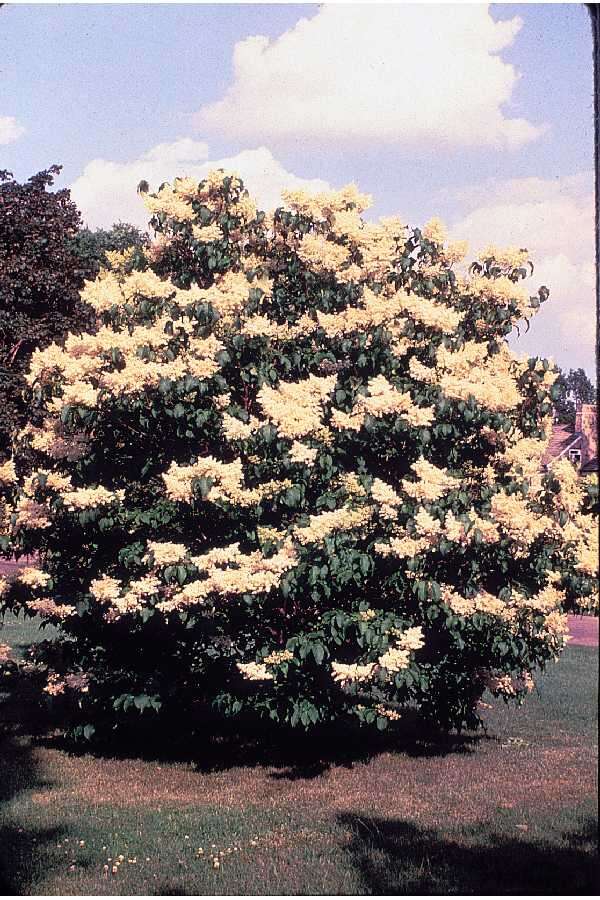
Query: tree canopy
{"points": [[295, 474]]}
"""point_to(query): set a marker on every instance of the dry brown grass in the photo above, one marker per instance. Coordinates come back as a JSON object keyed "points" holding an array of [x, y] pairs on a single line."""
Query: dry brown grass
{"points": [[442, 817], [469, 786]]}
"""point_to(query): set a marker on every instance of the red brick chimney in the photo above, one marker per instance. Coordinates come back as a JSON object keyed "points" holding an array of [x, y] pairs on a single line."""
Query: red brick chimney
{"points": [[588, 428], [578, 414]]}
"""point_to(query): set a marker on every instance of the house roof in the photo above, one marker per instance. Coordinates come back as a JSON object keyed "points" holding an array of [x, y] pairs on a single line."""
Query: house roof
{"points": [[590, 466], [562, 439]]}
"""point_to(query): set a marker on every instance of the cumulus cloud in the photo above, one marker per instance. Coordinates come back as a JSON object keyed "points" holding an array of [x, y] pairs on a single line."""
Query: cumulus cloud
{"points": [[555, 221], [402, 73], [10, 130], [106, 190]]}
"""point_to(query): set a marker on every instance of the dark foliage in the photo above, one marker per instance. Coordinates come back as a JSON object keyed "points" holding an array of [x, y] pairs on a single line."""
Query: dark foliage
{"points": [[40, 279], [91, 246]]}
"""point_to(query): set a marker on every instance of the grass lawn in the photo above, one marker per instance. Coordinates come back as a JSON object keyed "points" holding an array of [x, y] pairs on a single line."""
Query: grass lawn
{"points": [[511, 812]]}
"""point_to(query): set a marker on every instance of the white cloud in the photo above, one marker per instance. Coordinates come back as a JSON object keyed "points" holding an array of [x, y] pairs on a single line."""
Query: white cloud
{"points": [[106, 191], [403, 73], [555, 221], [10, 130]]}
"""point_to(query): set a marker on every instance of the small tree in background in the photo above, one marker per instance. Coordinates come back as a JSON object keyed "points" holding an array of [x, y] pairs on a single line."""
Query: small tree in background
{"points": [[92, 246], [295, 475], [40, 280], [572, 388]]}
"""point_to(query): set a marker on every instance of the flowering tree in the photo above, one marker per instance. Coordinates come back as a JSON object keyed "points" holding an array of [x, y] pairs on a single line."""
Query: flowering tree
{"points": [[296, 474]]}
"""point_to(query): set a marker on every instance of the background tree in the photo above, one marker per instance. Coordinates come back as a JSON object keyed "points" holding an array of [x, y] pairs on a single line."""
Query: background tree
{"points": [[91, 246], [572, 387], [40, 280], [45, 257]]}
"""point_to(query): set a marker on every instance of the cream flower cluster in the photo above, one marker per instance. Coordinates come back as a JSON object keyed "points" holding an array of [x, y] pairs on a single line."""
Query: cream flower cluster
{"points": [[517, 520], [405, 547], [379, 245], [91, 498], [236, 430], [8, 474], [297, 408], [523, 457], [395, 659], [501, 292], [207, 233], [170, 201], [491, 382], [45, 606], [85, 366], [254, 671], [52, 440], [510, 685], [31, 514], [105, 589], [433, 482], [386, 497], [227, 483], [571, 491], [435, 231], [382, 399], [33, 577], [384, 711], [264, 327], [432, 314], [320, 254], [300, 453], [398, 655], [165, 553], [277, 657], [505, 257], [470, 373], [328, 203], [227, 572], [119, 600], [345, 673], [111, 289], [76, 681], [374, 310], [513, 611], [462, 531], [325, 524]]}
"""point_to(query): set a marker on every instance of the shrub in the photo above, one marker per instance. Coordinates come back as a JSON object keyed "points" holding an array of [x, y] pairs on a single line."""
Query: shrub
{"points": [[295, 475]]}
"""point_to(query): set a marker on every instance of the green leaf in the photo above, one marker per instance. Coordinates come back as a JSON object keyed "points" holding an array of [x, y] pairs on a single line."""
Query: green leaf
{"points": [[318, 651]]}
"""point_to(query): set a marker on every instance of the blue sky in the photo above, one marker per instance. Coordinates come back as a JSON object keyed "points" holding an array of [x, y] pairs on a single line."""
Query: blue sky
{"points": [[96, 88]]}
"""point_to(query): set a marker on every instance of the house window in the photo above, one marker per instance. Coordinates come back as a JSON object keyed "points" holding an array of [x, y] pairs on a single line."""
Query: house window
{"points": [[575, 457]]}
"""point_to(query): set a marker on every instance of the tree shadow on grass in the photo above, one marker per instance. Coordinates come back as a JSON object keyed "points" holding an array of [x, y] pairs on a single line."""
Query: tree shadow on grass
{"points": [[21, 857], [294, 755], [395, 857]]}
